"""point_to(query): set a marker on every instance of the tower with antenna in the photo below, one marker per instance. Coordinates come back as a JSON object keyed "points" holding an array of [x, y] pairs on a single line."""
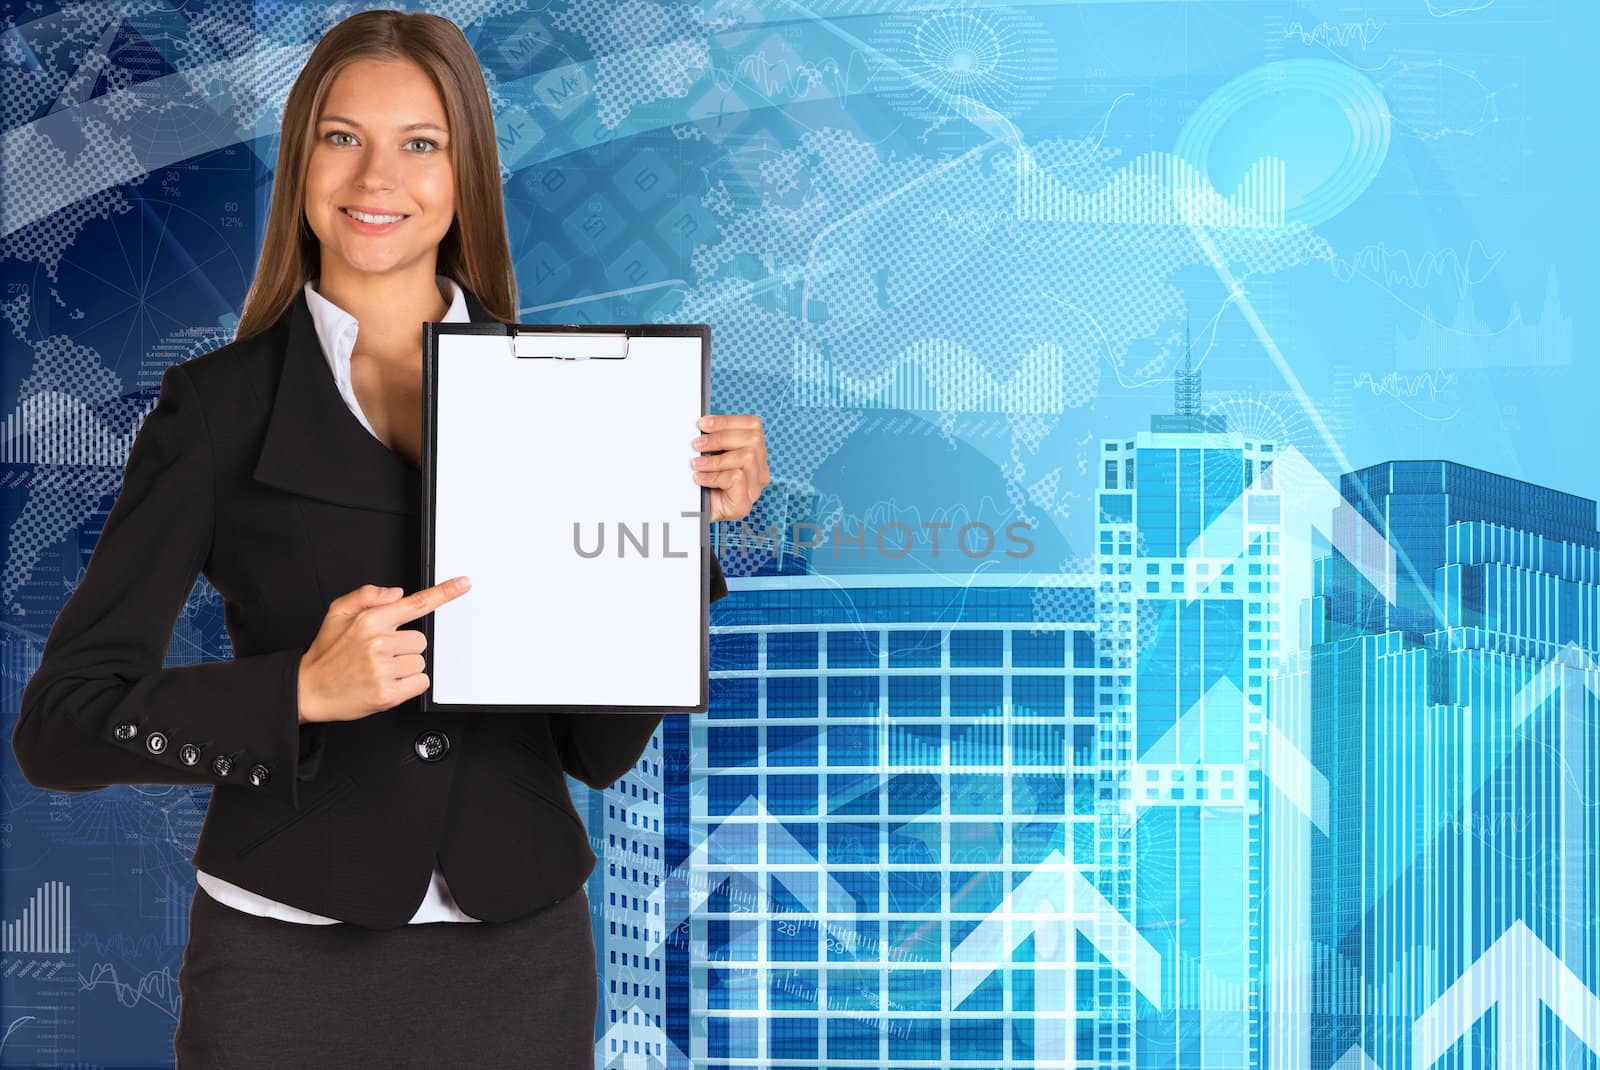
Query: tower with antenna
{"points": [[1187, 412], [1186, 387]]}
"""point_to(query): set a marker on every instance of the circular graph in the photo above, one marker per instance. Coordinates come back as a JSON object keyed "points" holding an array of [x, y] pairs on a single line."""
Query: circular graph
{"points": [[1327, 123], [996, 57]]}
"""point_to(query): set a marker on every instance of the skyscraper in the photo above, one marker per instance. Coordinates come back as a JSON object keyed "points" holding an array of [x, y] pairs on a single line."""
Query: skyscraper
{"points": [[1459, 729], [884, 763], [627, 910], [1188, 615]]}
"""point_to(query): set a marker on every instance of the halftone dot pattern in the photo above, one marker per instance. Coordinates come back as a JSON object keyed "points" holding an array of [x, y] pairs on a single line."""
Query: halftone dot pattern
{"points": [[1064, 603], [1043, 491], [19, 313], [227, 25], [782, 172], [292, 24], [1016, 498], [63, 365], [646, 52], [35, 155], [467, 13], [498, 101], [1028, 432], [785, 236], [845, 157], [60, 498], [47, 238], [742, 549], [835, 281], [719, 201], [1148, 624], [120, 105], [40, 62], [260, 106], [751, 366]]}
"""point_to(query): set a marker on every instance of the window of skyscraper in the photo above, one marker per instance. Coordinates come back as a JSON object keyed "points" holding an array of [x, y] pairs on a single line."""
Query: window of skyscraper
{"points": [[853, 649], [919, 648], [974, 648], [791, 650]]}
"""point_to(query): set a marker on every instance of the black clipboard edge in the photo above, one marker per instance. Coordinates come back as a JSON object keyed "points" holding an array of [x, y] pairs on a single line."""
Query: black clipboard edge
{"points": [[430, 416]]}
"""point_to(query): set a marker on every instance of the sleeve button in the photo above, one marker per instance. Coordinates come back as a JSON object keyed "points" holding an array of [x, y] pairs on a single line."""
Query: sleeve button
{"points": [[189, 754], [155, 743], [258, 775], [222, 765], [125, 731]]}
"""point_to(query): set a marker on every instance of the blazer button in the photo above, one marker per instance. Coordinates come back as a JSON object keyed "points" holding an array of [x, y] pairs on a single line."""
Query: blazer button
{"points": [[155, 743], [125, 731], [222, 765], [189, 754], [258, 775], [432, 745]]}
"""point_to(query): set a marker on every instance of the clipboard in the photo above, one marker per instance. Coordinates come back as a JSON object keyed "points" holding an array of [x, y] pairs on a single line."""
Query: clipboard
{"points": [[555, 473]]}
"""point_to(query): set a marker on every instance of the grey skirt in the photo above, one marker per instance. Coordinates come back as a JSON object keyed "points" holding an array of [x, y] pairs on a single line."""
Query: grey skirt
{"points": [[262, 993]]}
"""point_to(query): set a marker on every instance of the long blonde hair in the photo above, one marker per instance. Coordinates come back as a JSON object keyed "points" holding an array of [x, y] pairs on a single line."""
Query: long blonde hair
{"points": [[475, 251]]}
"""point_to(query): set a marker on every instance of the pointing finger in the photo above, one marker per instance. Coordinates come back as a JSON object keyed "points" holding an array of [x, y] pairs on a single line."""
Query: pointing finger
{"points": [[420, 603]]}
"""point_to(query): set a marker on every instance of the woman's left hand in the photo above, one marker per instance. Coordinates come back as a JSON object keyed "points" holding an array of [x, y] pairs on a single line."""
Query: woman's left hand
{"points": [[738, 474]]}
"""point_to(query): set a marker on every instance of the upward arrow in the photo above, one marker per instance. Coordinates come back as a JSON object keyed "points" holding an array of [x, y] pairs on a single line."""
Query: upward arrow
{"points": [[749, 895], [1306, 503], [1053, 897], [624, 1030], [1516, 974], [1551, 677], [780, 843], [1356, 1058], [1286, 766]]}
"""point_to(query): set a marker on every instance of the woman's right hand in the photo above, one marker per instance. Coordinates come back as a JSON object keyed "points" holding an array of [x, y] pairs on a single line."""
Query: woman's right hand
{"points": [[361, 661]]}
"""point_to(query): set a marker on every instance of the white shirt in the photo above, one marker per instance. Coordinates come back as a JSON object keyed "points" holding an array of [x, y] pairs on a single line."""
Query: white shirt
{"points": [[336, 331]]}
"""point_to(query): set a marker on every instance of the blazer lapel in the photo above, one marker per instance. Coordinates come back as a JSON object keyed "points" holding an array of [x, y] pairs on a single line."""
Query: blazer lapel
{"points": [[314, 444]]}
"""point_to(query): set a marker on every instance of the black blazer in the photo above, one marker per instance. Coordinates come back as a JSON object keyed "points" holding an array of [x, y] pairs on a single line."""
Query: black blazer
{"points": [[251, 470]]}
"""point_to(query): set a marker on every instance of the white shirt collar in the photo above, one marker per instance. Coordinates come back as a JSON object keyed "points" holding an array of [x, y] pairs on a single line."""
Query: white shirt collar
{"points": [[336, 332]]}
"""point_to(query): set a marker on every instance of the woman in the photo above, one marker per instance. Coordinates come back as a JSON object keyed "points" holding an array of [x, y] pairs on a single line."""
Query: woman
{"points": [[378, 887]]}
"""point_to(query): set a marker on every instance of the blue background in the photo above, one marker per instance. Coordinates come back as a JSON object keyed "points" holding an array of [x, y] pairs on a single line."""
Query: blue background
{"points": [[834, 187]]}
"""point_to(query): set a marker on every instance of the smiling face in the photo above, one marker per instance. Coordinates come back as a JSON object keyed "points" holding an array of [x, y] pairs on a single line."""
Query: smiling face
{"points": [[380, 148]]}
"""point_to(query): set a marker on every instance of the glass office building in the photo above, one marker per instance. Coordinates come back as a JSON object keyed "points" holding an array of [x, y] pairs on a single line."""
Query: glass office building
{"points": [[626, 905], [1459, 729], [883, 762], [1187, 607]]}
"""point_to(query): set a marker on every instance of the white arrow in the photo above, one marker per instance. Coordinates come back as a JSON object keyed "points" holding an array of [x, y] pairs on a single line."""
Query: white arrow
{"points": [[1285, 765], [1289, 770], [691, 871], [624, 1031], [1181, 743], [1037, 906], [1356, 1058], [1550, 678], [1516, 974], [691, 874], [1307, 501]]}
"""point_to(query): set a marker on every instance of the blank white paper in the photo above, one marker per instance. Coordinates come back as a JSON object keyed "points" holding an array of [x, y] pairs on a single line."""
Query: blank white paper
{"points": [[526, 448]]}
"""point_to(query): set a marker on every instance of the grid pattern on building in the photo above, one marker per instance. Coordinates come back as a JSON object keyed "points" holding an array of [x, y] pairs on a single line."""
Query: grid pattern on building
{"points": [[874, 785]]}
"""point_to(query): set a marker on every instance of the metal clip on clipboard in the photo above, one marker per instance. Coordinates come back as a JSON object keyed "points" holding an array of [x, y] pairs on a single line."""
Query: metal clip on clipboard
{"points": [[567, 345]]}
